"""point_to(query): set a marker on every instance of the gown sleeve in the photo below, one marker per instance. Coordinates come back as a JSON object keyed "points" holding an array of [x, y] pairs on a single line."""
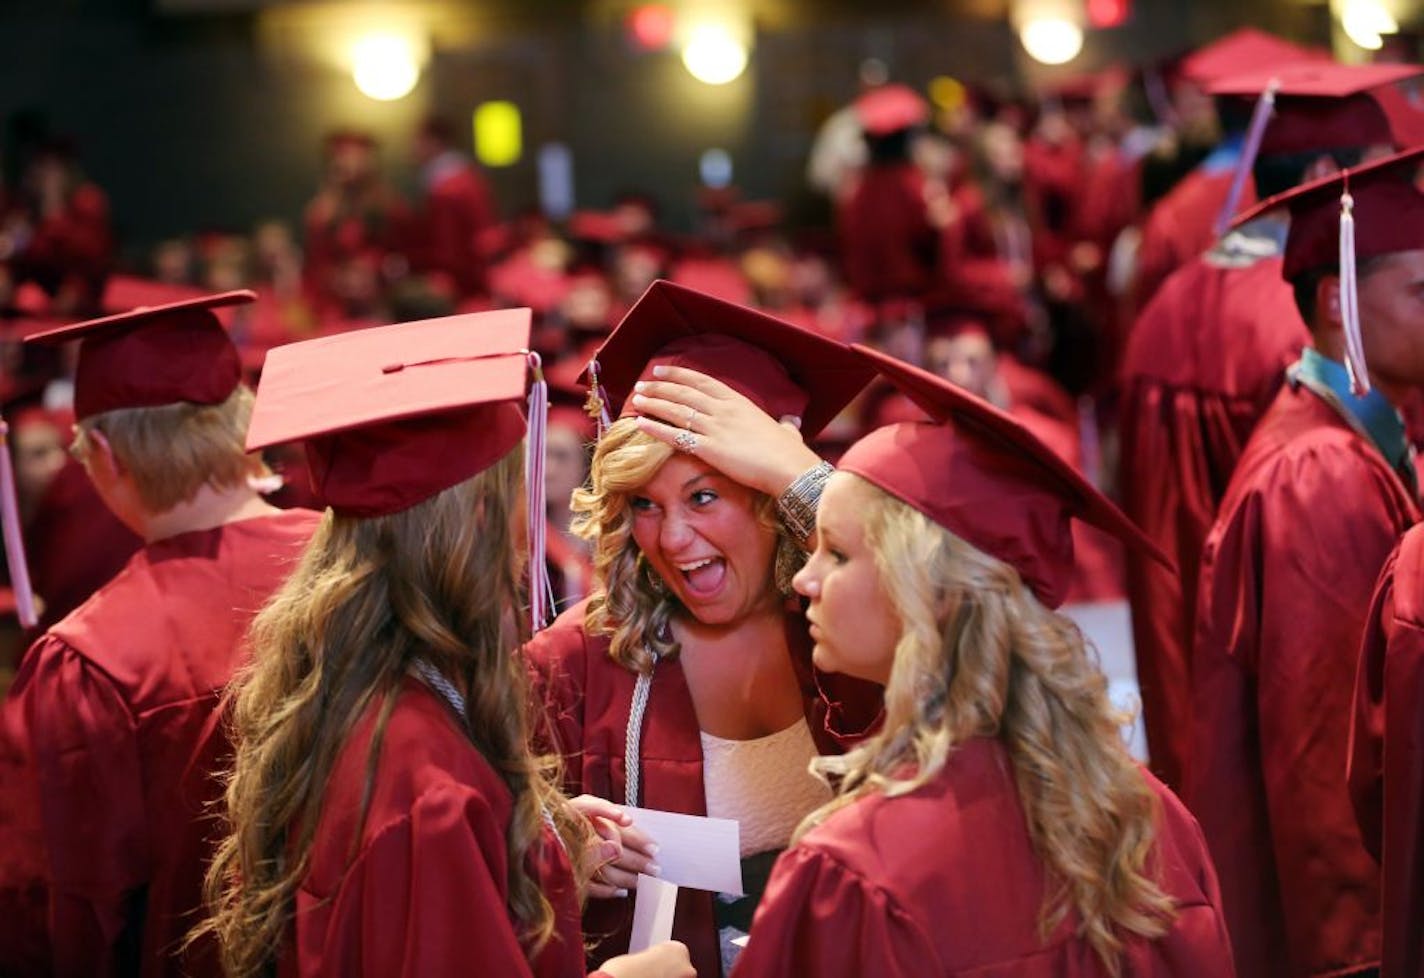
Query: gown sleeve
{"points": [[821, 919], [83, 742]]}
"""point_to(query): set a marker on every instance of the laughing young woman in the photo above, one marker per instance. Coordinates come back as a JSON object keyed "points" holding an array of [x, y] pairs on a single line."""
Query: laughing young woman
{"points": [[685, 682], [995, 825]]}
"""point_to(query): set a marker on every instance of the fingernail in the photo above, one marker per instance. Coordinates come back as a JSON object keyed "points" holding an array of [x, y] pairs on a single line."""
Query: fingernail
{"points": [[638, 398], [660, 371], [653, 849], [620, 892], [653, 869], [640, 385]]}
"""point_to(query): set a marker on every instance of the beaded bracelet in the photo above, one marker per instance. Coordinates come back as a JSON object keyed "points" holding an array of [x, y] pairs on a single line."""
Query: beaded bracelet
{"points": [[797, 503]]}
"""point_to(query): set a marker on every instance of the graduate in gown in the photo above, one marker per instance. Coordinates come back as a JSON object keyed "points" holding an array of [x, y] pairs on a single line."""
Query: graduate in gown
{"points": [[1207, 356], [112, 702], [1183, 224], [1387, 752], [888, 243], [996, 823], [386, 816], [1321, 493], [685, 683]]}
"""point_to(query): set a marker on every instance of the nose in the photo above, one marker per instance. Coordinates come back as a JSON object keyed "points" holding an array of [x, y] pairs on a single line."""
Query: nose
{"points": [[807, 581], [675, 533]]}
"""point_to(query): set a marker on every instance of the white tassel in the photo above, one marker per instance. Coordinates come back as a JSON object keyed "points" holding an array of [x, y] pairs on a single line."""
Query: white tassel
{"points": [[14, 536], [1350, 301], [1260, 116], [541, 589]]}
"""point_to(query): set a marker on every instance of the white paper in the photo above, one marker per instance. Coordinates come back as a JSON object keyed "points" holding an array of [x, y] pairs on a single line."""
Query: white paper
{"points": [[695, 851], [742, 941], [653, 910]]}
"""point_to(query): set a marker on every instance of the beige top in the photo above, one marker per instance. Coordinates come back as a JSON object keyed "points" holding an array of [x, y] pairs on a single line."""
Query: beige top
{"points": [[764, 784]]}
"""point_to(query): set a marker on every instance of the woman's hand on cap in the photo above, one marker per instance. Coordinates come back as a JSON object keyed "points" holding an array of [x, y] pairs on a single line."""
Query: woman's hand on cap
{"points": [[732, 434], [620, 849]]}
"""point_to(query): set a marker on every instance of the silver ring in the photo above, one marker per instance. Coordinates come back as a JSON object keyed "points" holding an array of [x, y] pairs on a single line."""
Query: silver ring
{"points": [[685, 441], [691, 417]]}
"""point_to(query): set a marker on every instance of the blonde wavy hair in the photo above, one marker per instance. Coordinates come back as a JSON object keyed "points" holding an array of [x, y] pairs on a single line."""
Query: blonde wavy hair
{"points": [[173, 450], [979, 656], [631, 604], [438, 582]]}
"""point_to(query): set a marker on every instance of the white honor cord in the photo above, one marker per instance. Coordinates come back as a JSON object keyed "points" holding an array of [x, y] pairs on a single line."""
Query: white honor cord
{"points": [[634, 736]]}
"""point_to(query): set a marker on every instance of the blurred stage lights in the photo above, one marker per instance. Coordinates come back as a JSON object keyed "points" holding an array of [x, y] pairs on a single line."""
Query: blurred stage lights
{"points": [[713, 56], [1051, 40], [651, 26], [384, 66], [1365, 20]]}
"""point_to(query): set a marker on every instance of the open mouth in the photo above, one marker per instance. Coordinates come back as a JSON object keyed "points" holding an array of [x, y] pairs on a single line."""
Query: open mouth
{"points": [[704, 577]]}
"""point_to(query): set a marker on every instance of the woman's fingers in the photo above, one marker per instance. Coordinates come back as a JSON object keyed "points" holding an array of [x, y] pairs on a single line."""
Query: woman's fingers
{"points": [[591, 807], [695, 379], [662, 432], [636, 838], [678, 415], [603, 891]]}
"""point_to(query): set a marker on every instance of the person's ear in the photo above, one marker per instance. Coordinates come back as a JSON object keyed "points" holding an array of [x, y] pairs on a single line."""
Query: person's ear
{"points": [[100, 458]]}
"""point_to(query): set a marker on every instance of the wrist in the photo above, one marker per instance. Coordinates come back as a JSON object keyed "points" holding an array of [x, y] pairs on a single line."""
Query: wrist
{"points": [[796, 505], [795, 466]]}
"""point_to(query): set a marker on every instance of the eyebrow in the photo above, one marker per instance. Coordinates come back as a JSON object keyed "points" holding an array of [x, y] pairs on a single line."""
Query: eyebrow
{"points": [[699, 477]]}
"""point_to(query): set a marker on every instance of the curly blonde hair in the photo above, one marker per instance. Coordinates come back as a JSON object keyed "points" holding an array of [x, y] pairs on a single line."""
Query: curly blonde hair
{"points": [[436, 581], [979, 656], [630, 603]]}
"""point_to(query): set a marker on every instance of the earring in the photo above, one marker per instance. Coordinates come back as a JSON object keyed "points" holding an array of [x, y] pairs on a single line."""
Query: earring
{"points": [[655, 583]]}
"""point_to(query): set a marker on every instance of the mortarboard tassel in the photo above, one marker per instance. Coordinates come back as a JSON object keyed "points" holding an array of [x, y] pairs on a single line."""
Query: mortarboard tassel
{"points": [[1260, 116], [541, 590], [1349, 298], [597, 403], [14, 540]]}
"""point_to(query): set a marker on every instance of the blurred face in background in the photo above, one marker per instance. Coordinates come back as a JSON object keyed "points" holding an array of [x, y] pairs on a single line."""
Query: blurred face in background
{"points": [[966, 360], [565, 467], [38, 443]]}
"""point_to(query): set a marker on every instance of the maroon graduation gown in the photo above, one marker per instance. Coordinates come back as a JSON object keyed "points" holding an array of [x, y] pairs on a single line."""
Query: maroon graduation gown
{"points": [[888, 246], [1387, 752], [113, 702], [1202, 365], [1310, 515], [73, 543], [457, 212], [425, 892], [945, 881], [586, 698], [1181, 226]]}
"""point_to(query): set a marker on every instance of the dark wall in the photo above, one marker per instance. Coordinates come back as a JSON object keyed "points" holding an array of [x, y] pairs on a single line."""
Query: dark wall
{"points": [[192, 122]]}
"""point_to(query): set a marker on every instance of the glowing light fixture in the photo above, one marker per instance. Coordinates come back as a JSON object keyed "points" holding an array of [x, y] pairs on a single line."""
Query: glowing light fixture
{"points": [[713, 55], [651, 26], [499, 133], [947, 93], [715, 168], [384, 66], [1365, 20], [1051, 40]]}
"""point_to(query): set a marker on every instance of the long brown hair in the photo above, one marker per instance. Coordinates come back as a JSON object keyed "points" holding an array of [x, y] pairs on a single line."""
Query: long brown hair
{"points": [[438, 581], [979, 656]]}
